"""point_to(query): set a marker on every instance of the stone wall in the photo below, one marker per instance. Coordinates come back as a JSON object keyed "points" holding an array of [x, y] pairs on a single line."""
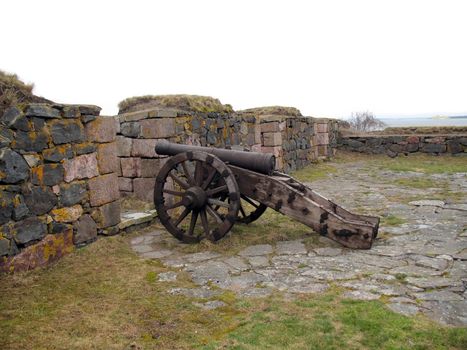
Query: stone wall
{"points": [[295, 141], [58, 182], [394, 145]]}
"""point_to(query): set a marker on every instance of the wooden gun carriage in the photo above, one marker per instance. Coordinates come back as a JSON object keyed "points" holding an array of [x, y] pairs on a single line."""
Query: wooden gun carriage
{"points": [[202, 192]]}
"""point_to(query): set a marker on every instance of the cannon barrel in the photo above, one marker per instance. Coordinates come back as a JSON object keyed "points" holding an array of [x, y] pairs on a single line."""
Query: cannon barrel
{"points": [[260, 162]]}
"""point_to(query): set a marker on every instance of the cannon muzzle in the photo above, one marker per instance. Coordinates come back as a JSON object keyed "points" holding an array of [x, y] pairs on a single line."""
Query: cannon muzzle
{"points": [[260, 162]]}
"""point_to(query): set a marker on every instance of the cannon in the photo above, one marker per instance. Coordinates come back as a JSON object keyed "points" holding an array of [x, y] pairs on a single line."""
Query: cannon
{"points": [[201, 192]]}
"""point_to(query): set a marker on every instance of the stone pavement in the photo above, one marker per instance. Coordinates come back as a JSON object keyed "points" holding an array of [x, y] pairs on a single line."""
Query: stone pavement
{"points": [[419, 266]]}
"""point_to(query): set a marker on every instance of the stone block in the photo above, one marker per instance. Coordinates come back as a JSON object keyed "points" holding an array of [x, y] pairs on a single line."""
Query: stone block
{"points": [[103, 129], [125, 184], [6, 206], [42, 110], [67, 214], [85, 230], [143, 188], [322, 139], [47, 251], [58, 227], [30, 229], [39, 200], [454, 147], [81, 167], [131, 167], [157, 128], [323, 151], [270, 127], [103, 189], [13, 167], [89, 109], [413, 139], [124, 146], [107, 159], [435, 140], [412, 147], [47, 174], [322, 127], [433, 148], [71, 194], [4, 246], [130, 129], [84, 148], [144, 148], [151, 167], [272, 139], [66, 131], [71, 111], [30, 141], [107, 215], [14, 118], [58, 153], [277, 150], [20, 209]]}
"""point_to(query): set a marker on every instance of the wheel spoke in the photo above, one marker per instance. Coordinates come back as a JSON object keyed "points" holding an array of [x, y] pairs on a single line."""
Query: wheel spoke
{"points": [[182, 216], [218, 203], [250, 201], [242, 211], [190, 179], [175, 193], [213, 191], [182, 183], [208, 180], [175, 205], [204, 221], [194, 218], [214, 214], [199, 173]]}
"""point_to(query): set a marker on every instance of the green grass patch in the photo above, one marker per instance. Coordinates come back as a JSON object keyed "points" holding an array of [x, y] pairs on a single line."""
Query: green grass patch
{"points": [[392, 220], [425, 164], [314, 172], [104, 297], [416, 182]]}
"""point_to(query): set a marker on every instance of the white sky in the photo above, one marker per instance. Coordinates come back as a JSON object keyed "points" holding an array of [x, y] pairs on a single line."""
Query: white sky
{"points": [[327, 58]]}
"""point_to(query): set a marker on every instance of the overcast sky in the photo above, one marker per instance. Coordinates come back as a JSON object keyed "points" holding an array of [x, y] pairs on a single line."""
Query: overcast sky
{"points": [[327, 58]]}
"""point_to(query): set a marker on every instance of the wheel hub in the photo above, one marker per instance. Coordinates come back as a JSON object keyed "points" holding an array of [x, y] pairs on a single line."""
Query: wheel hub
{"points": [[195, 198]]}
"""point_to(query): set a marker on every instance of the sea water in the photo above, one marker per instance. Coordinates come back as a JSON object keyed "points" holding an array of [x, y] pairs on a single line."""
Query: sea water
{"points": [[398, 122]]}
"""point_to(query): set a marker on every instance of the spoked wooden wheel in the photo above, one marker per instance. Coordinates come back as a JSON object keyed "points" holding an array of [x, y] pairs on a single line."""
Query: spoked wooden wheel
{"points": [[250, 210], [187, 197]]}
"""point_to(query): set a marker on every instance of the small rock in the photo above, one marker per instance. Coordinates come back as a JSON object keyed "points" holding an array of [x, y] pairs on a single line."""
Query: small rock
{"points": [[143, 248], [290, 248], [236, 263], [199, 293], [428, 202], [210, 305], [197, 257], [167, 276]]}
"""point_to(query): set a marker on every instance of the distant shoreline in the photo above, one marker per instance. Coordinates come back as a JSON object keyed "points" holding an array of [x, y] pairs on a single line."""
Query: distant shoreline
{"points": [[425, 121]]}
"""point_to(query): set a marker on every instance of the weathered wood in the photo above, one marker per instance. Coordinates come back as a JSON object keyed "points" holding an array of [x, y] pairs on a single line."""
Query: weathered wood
{"points": [[299, 202]]}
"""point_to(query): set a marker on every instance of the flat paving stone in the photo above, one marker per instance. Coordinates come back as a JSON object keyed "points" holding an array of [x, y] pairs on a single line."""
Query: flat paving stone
{"points": [[259, 249], [157, 254], [419, 266], [290, 248], [404, 309], [360, 295]]}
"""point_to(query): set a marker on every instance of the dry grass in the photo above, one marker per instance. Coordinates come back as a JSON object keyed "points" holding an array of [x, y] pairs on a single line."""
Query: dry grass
{"points": [[274, 110], [13, 91], [192, 103]]}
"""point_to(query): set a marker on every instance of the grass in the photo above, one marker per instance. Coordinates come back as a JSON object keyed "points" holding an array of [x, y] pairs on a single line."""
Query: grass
{"points": [[271, 227], [104, 297], [392, 220], [204, 104], [425, 164], [314, 172]]}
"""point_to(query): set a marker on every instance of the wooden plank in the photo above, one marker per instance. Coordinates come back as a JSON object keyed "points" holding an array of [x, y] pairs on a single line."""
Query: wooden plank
{"points": [[308, 207]]}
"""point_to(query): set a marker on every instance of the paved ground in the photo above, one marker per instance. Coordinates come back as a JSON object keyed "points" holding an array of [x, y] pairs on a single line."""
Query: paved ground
{"points": [[416, 266]]}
